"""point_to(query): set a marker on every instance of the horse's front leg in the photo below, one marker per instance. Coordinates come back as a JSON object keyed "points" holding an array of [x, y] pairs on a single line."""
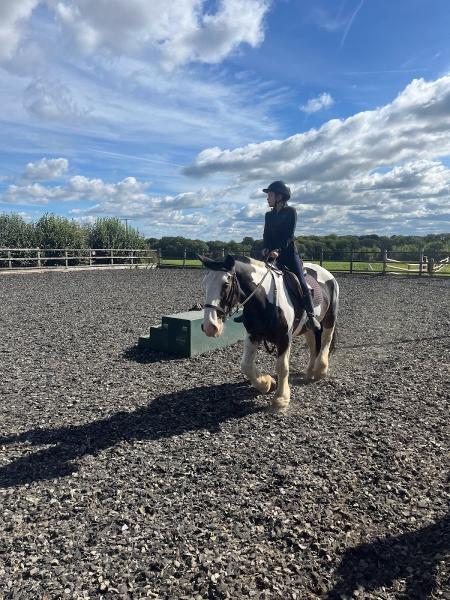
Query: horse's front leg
{"points": [[263, 383], [283, 394]]}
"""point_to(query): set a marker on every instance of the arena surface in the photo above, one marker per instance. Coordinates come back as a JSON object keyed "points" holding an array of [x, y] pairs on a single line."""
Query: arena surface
{"points": [[124, 475]]}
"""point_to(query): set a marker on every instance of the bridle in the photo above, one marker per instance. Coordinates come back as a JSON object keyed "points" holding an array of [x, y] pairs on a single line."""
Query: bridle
{"points": [[227, 309]]}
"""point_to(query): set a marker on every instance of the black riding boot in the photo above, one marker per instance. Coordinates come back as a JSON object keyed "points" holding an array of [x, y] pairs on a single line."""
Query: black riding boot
{"points": [[313, 322]]}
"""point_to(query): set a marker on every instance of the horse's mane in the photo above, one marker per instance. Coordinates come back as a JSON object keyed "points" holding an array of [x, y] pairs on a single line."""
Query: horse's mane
{"points": [[249, 261]]}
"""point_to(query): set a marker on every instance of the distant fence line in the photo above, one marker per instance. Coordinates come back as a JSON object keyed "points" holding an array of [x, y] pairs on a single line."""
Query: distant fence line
{"points": [[338, 261], [43, 258]]}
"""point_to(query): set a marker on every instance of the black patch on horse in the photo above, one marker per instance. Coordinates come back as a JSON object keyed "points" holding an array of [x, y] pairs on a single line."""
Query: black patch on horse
{"points": [[262, 319]]}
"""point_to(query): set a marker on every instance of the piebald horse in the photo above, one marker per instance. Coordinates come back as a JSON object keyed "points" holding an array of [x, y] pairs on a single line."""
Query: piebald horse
{"points": [[269, 316]]}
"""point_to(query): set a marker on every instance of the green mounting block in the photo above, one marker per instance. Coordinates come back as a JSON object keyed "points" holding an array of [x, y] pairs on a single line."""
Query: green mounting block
{"points": [[181, 335]]}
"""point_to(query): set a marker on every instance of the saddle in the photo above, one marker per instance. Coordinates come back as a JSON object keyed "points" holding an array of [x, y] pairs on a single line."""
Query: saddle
{"points": [[296, 293]]}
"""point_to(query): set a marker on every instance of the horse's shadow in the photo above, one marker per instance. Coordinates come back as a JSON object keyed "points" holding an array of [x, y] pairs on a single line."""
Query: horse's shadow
{"points": [[412, 557], [167, 415], [145, 356]]}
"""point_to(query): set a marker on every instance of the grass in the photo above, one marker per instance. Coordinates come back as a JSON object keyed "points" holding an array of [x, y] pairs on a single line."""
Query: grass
{"points": [[330, 265]]}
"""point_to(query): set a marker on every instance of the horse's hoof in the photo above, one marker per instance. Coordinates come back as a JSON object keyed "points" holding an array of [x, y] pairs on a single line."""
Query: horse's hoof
{"points": [[280, 403], [320, 374], [266, 384], [309, 375]]}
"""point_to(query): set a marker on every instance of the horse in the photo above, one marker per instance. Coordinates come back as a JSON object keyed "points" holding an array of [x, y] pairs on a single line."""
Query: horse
{"points": [[270, 315]]}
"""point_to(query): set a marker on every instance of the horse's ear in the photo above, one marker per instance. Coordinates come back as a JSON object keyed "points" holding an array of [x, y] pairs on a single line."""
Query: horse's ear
{"points": [[209, 263], [229, 262]]}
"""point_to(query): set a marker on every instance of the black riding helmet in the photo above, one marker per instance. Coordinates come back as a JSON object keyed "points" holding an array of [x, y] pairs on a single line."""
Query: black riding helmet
{"points": [[279, 187]]}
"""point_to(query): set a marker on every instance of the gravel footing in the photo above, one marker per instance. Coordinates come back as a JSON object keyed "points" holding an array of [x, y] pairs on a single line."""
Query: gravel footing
{"points": [[126, 474]]}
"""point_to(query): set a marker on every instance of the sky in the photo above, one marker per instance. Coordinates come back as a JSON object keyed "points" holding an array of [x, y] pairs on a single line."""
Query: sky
{"points": [[174, 115]]}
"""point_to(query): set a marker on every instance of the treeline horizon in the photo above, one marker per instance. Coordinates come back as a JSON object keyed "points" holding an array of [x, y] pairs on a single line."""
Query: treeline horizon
{"points": [[308, 245], [52, 231]]}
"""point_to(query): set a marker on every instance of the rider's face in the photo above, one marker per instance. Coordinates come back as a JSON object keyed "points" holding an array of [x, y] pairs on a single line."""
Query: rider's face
{"points": [[271, 199]]}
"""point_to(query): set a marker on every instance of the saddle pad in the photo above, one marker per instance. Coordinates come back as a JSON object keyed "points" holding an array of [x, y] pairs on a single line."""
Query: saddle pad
{"points": [[316, 292]]}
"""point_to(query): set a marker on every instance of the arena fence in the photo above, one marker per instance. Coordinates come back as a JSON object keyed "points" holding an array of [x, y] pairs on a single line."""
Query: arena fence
{"points": [[338, 261], [424, 265], [45, 258]]}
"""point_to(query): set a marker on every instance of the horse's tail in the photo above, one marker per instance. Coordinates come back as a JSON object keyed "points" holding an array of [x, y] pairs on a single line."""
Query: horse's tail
{"points": [[318, 338], [335, 310], [334, 339]]}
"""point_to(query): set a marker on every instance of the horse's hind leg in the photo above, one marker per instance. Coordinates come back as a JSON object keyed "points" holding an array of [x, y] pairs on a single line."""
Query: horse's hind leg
{"points": [[263, 383], [321, 363], [311, 343]]}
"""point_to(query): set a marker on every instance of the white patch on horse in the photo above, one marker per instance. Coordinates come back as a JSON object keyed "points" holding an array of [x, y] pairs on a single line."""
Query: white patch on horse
{"points": [[213, 283], [322, 274], [283, 300]]}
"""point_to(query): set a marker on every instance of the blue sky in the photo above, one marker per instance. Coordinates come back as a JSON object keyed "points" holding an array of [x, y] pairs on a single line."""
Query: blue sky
{"points": [[175, 115]]}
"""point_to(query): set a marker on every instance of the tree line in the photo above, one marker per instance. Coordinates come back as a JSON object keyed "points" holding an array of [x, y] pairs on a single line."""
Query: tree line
{"points": [[53, 231], [309, 246]]}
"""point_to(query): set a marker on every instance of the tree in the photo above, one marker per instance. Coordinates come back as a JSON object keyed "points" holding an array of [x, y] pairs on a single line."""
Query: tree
{"points": [[15, 232], [52, 231], [110, 232]]}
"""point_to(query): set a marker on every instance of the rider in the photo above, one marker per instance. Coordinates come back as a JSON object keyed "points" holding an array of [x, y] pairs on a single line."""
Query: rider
{"points": [[279, 242]]}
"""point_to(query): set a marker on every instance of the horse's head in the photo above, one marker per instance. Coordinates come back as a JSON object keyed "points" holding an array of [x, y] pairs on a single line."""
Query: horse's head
{"points": [[221, 293]]}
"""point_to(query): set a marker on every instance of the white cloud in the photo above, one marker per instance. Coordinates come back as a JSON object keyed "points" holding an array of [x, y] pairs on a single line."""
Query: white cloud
{"points": [[182, 31], [321, 102], [128, 196], [30, 195], [416, 125], [13, 13], [52, 100], [46, 168]]}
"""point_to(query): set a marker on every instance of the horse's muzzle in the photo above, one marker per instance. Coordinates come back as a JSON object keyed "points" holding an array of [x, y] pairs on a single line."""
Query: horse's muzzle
{"points": [[212, 330]]}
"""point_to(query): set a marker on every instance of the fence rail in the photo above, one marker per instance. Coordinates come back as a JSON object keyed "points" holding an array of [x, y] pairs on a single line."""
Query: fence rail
{"points": [[44, 258], [337, 262]]}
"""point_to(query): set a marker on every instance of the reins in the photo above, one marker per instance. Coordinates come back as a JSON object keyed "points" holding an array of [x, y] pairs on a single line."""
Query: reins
{"points": [[228, 311], [242, 304]]}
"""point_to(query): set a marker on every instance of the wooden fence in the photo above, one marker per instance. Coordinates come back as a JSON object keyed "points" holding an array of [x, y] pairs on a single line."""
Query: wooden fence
{"points": [[45, 258], [337, 262], [425, 265]]}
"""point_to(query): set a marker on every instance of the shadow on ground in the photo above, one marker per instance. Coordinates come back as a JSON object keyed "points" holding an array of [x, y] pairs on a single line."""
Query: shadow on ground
{"points": [[146, 356], [412, 557], [167, 415]]}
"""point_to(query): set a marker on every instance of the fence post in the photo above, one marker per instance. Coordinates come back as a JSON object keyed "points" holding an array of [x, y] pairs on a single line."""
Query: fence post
{"points": [[111, 260], [90, 257], [223, 252], [384, 262], [159, 256], [321, 257], [184, 258], [66, 256], [431, 266], [132, 256], [9, 259], [421, 262], [351, 261], [39, 258]]}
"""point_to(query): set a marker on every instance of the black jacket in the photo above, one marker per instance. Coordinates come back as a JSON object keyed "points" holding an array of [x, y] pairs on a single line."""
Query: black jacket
{"points": [[279, 230]]}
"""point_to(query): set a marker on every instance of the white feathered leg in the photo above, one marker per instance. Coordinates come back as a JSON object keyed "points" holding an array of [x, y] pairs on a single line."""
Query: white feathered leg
{"points": [[263, 383], [283, 395]]}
